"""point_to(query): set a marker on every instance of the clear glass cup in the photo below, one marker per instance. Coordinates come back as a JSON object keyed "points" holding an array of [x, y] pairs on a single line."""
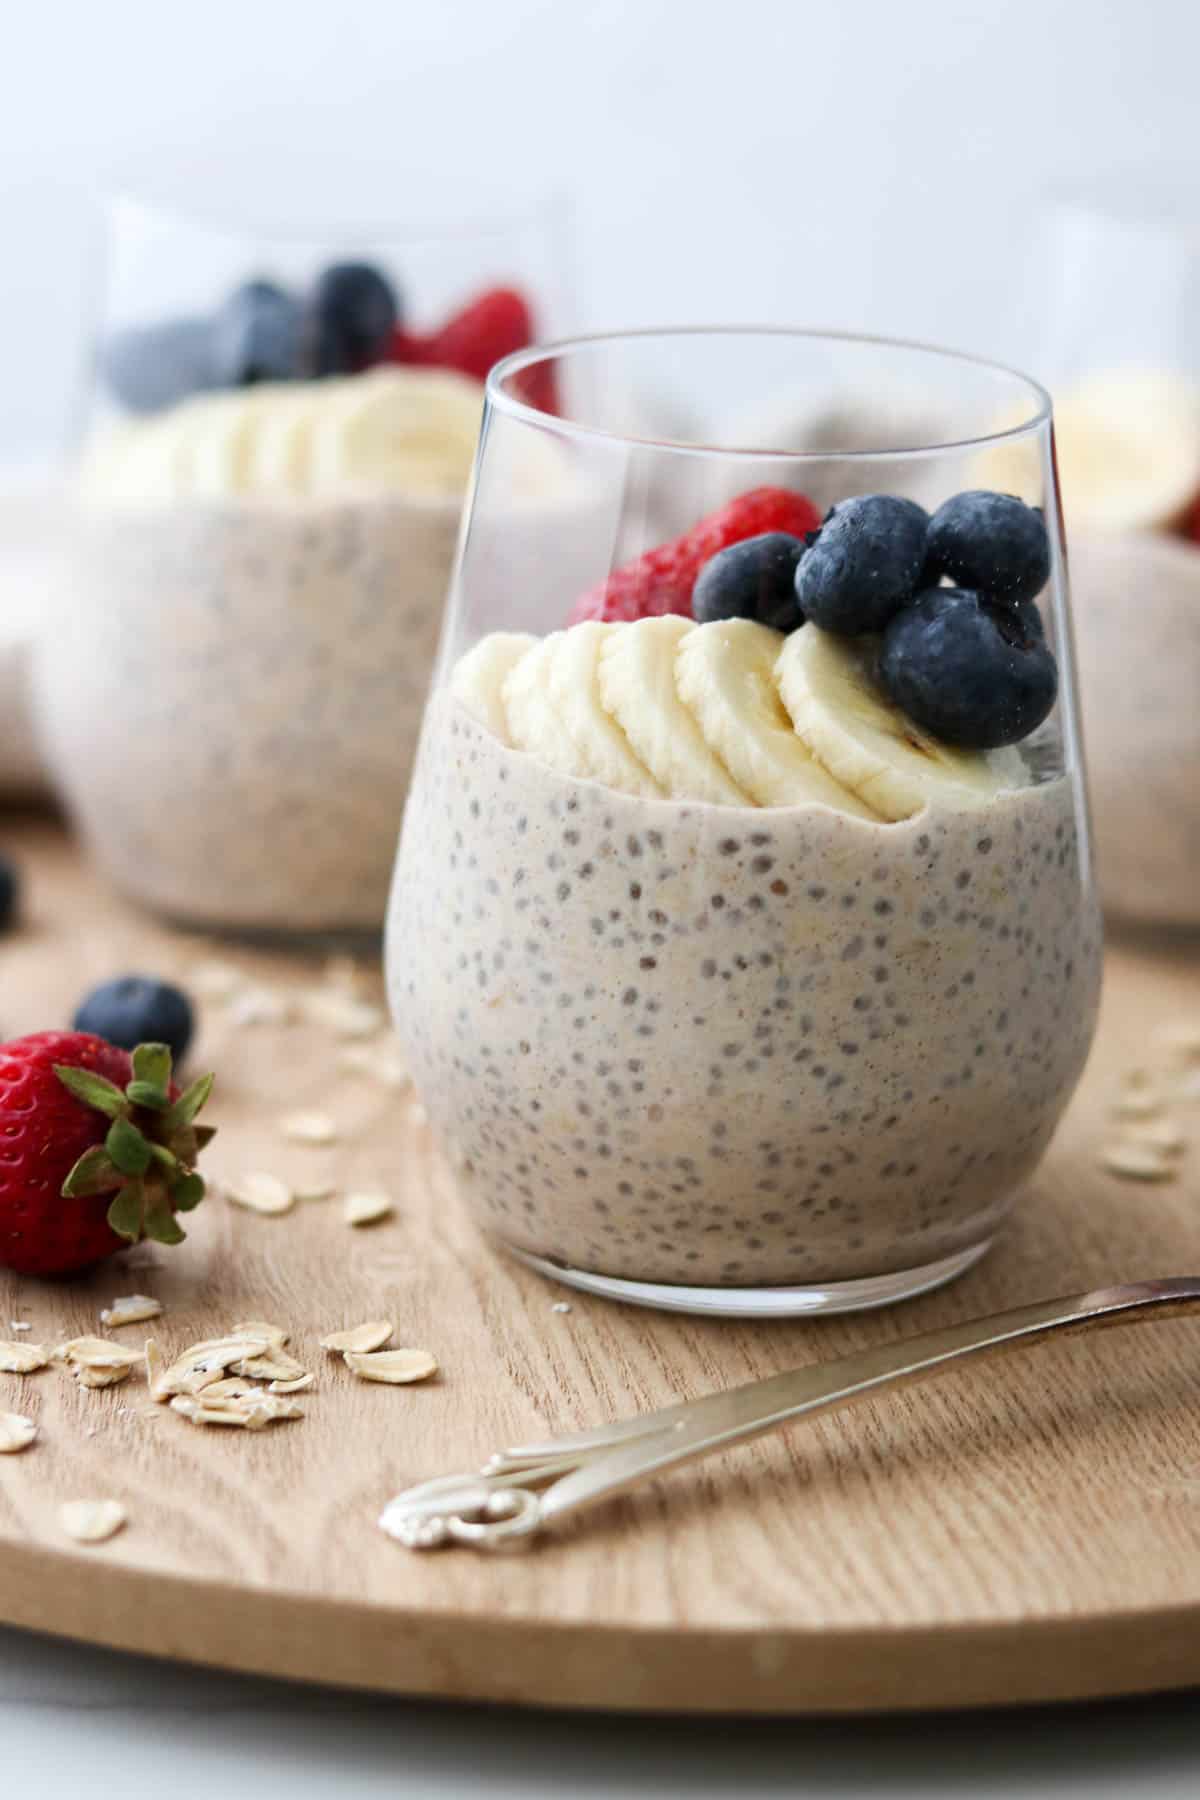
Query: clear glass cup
{"points": [[1119, 345], [266, 520], [704, 1053]]}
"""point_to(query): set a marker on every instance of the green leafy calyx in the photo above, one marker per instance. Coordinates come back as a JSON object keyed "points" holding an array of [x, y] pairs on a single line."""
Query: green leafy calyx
{"points": [[147, 1159]]}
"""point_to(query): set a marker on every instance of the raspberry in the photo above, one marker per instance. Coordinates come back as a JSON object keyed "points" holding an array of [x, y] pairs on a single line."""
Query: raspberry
{"points": [[661, 580]]}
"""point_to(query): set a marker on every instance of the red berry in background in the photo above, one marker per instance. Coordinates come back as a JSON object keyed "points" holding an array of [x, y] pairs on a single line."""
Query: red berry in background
{"points": [[78, 1177], [476, 338], [1192, 521], [661, 580]]}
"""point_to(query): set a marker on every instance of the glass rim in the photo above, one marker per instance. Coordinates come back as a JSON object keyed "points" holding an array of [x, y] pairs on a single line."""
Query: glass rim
{"points": [[499, 399], [465, 228]]}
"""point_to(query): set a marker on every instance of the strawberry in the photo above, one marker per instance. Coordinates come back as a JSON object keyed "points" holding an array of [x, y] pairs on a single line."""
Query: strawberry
{"points": [[97, 1149], [661, 580], [475, 338]]}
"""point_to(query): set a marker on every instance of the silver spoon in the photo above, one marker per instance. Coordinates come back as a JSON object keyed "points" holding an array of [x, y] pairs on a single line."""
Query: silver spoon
{"points": [[519, 1491]]}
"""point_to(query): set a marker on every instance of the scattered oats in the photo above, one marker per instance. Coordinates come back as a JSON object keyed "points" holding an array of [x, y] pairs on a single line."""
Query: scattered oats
{"points": [[261, 1193], [561, 1306], [1136, 1162], [1159, 1134], [22, 1359], [91, 1521], [310, 1128], [215, 980], [261, 1006], [251, 1412], [273, 1365], [230, 1387], [258, 1328], [206, 1362], [131, 1309], [92, 1431], [314, 1194], [343, 1014], [96, 1362], [382, 1061], [16, 1433], [366, 1208], [154, 1363], [295, 1386], [396, 1367], [19, 1325], [371, 1336]]}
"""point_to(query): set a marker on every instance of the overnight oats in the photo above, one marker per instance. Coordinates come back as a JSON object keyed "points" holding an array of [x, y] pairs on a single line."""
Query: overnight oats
{"points": [[261, 549], [742, 936]]}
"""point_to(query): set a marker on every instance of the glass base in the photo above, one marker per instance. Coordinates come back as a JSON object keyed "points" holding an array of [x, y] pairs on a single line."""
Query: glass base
{"points": [[806, 1301]]}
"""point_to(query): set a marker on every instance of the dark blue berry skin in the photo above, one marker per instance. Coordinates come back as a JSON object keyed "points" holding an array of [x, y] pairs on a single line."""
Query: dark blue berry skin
{"points": [[755, 579], [352, 314], [149, 367], [256, 336], [10, 893], [135, 1009], [970, 670], [864, 564], [993, 543]]}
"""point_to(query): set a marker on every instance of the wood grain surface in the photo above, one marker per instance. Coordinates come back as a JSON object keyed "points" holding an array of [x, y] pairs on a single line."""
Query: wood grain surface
{"points": [[1028, 1530]]}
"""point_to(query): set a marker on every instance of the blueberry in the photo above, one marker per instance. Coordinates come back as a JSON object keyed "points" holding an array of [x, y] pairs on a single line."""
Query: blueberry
{"points": [[256, 336], [864, 564], [149, 367], [971, 670], [10, 893], [136, 1009], [755, 579], [991, 542], [352, 314]]}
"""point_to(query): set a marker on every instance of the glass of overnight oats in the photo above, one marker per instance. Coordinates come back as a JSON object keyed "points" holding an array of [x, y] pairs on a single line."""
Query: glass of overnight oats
{"points": [[1120, 348], [280, 439], [743, 937]]}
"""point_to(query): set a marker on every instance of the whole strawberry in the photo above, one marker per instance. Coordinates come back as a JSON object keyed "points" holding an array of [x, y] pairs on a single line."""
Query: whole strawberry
{"points": [[97, 1150], [661, 580]]}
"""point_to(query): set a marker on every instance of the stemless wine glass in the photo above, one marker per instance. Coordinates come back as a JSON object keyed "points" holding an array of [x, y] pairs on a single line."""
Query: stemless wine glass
{"points": [[280, 433], [685, 1041], [1120, 348]]}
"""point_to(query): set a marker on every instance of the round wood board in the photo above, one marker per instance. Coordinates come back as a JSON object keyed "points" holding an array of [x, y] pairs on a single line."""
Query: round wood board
{"points": [[1026, 1531]]}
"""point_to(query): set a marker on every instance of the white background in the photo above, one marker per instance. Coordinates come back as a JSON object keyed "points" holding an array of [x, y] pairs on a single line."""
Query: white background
{"points": [[860, 163]]}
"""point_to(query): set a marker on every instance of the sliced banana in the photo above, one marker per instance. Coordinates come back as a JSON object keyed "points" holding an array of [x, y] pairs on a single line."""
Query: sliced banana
{"points": [[725, 675], [533, 720], [279, 459], [573, 677], [1128, 449], [479, 676], [637, 686], [414, 429], [868, 744]]}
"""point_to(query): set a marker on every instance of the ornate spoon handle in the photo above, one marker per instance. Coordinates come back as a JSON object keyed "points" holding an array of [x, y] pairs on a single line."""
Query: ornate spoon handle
{"points": [[526, 1487]]}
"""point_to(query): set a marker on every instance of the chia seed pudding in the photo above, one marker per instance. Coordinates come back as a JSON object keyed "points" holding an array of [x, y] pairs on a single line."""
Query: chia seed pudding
{"points": [[686, 1042], [256, 597]]}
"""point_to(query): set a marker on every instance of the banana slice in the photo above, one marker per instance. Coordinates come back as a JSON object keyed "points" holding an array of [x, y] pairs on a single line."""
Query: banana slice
{"points": [[414, 429], [217, 444], [533, 719], [280, 453], [870, 745], [637, 686], [725, 676], [1128, 449], [479, 676], [573, 677]]}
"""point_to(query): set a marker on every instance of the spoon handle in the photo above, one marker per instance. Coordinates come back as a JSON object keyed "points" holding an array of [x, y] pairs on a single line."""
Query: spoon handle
{"points": [[503, 1504]]}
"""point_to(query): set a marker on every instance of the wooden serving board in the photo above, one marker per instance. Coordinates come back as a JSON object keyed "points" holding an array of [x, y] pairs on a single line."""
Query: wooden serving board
{"points": [[1026, 1531]]}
